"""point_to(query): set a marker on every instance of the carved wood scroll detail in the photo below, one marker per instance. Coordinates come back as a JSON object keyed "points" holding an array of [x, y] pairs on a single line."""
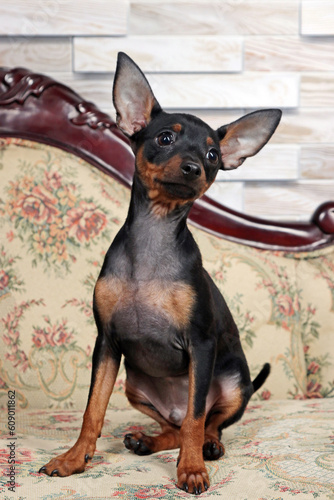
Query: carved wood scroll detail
{"points": [[19, 84], [22, 84], [90, 115], [323, 217]]}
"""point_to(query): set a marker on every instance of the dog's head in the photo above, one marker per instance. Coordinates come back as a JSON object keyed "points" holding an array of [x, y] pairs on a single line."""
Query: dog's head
{"points": [[178, 155]]}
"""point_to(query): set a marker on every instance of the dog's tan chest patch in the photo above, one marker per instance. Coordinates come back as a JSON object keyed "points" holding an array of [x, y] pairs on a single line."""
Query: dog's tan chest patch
{"points": [[173, 300], [106, 297]]}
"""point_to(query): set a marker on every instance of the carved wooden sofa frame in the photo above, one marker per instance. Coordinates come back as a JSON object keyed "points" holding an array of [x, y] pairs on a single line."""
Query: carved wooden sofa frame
{"points": [[36, 107]]}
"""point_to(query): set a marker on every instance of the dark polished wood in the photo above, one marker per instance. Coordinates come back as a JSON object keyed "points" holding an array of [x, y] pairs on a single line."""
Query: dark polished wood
{"points": [[36, 107]]}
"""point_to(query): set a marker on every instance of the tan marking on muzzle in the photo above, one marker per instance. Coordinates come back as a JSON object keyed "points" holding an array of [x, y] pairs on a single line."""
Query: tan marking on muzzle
{"points": [[153, 175]]}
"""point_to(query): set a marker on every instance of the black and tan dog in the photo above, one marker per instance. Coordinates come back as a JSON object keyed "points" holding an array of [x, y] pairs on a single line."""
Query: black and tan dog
{"points": [[155, 304]]}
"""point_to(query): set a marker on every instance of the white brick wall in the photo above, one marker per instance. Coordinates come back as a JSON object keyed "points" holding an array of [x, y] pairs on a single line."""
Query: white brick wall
{"points": [[216, 58]]}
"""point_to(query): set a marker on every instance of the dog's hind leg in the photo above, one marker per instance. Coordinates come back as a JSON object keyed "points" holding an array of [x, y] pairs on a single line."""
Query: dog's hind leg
{"points": [[140, 443], [226, 410]]}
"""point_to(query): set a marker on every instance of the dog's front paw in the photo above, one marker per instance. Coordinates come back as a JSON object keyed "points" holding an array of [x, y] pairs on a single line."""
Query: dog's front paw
{"points": [[72, 462], [193, 479]]}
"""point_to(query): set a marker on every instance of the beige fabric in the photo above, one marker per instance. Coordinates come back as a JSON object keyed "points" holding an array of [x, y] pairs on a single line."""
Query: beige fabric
{"points": [[279, 450]]}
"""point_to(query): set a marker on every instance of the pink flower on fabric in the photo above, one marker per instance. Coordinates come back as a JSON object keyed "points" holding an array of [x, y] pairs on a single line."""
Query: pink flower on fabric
{"points": [[266, 395], [52, 335], [38, 206], [285, 305], [4, 279], [85, 221], [52, 180], [313, 367]]}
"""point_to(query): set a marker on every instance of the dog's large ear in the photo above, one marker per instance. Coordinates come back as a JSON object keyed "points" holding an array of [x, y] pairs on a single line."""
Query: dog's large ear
{"points": [[246, 136], [132, 95]]}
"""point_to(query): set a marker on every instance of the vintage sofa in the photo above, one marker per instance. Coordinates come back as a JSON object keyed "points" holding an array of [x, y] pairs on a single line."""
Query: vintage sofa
{"points": [[65, 174]]}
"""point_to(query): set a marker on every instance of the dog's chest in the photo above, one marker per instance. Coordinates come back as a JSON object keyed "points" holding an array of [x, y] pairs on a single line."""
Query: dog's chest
{"points": [[148, 319], [144, 274], [144, 305]]}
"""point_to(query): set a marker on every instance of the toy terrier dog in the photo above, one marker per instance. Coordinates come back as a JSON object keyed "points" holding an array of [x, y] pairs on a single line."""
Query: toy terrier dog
{"points": [[153, 301]]}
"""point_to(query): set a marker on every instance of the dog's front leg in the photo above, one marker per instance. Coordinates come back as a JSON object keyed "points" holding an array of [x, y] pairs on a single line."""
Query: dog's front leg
{"points": [[191, 472], [104, 373]]}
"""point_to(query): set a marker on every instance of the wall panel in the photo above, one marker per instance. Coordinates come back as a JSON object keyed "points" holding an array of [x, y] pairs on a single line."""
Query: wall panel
{"points": [[218, 60]]}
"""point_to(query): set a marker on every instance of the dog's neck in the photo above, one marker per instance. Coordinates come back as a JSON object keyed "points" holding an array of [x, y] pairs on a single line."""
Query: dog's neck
{"points": [[154, 241]]}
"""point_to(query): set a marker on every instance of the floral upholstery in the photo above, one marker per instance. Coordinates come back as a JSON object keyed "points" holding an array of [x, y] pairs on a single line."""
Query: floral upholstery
{"points": [[277, 451], [58, 215], [284, 307]]}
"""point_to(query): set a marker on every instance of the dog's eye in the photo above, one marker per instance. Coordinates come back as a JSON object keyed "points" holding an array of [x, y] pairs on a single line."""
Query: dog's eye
{"points": [[165, 139], [213, 156]]}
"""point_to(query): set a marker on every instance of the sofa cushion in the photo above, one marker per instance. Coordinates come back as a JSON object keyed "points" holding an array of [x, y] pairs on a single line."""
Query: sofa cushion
{"points": [[58, 215], [283, 304], [279, 450]]}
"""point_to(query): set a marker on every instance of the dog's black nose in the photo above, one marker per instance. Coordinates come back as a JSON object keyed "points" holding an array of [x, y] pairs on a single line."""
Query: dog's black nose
{"points": [[191, 170]]}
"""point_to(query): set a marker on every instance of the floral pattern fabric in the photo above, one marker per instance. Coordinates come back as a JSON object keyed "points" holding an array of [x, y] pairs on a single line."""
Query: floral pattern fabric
{"points": [[283, 305], [58, 216], [48, 215], [279, 450]]}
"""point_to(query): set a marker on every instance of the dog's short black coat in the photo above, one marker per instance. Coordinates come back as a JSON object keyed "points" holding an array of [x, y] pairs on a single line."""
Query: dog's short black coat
{"points": [[155, 304]]}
